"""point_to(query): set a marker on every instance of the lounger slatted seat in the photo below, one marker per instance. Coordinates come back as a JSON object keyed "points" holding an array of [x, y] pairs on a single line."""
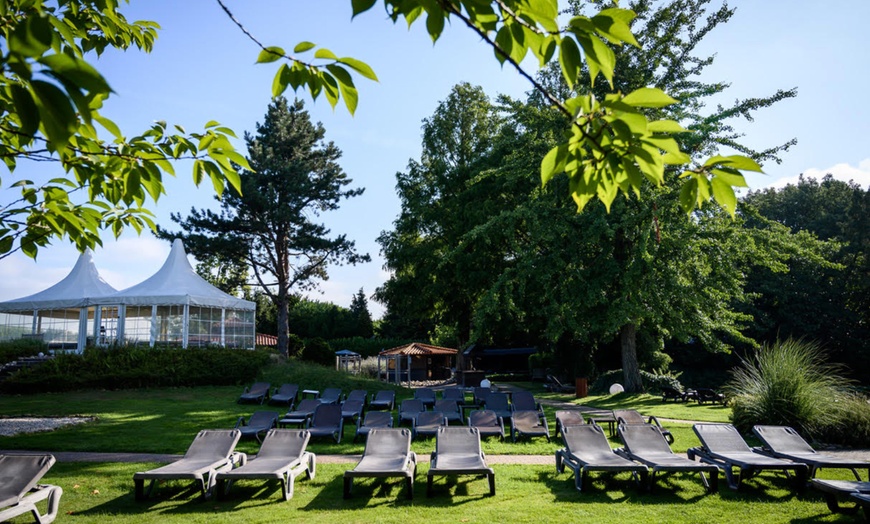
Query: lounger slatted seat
{"points": [[568, 417], [450, 409], [282, 457], [20, 490], [723, 446], [488, 424], [387, 454], [498, 402], [528, 424], [409, 409], [258, 424], [301, 414], [587, 449], [330, 396], [373, 419], [426, 424], [358, 394], [785, 443], [480, 395], [327, 422], [525, 401], [384, 399], [863, 500], [257, 393], [285, 395], [426, 396], [352, 410], [836, 490], [645, 444], [458, 452], [455, 394], [631, 416], [210, 453]]}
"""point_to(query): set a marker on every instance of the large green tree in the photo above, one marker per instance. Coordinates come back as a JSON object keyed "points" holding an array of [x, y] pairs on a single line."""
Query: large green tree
{"points": [[271, 225]]}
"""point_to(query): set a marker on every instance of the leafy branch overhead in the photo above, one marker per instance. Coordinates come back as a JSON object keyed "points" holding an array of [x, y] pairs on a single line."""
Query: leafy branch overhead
{"points": [[612, 145]]}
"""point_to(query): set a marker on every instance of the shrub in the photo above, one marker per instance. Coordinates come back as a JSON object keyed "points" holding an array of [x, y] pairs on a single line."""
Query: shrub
{"points": [[11, 350], [651, 382], [135, 367], [318, 351], [295, 346], [789, 383], [369, 367]]}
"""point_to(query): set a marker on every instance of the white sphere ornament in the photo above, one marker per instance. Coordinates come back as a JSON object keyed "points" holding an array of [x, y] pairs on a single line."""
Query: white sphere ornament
{"points": [[616, 388], [485, 383]]}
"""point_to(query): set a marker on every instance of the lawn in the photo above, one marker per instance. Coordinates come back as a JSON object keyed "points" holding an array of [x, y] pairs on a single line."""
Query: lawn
{"points": [[165, 421]]}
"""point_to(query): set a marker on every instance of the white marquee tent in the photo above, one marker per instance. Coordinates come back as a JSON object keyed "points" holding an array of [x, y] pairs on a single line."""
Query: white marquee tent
{"points": [[175, 306]]}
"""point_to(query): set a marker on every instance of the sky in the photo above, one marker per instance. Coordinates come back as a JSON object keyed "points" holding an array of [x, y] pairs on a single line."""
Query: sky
{"points": [[203, 68]]}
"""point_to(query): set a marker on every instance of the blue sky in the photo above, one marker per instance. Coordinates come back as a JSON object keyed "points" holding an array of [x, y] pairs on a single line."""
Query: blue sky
{"points": [[202, 68]]}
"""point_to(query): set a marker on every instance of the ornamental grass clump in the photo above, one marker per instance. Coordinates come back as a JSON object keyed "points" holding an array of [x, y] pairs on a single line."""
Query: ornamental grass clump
{"points": [[791, 384]]}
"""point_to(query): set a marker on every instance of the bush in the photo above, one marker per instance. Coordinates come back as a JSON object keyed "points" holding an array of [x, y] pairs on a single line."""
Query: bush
{"points": [[651, 382], [295, 346], [11, 350], [790, 384], [135, 367], [318, 351]]}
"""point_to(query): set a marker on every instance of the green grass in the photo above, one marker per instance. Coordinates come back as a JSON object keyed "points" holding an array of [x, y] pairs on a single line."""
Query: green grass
{"points": [[104, 492]]}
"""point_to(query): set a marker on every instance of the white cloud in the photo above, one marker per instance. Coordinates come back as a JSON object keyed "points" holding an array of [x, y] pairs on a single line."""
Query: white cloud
{"points": [[845, 172]]}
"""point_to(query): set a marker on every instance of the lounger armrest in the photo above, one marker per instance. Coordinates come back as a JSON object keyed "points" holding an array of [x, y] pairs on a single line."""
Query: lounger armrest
{"points": [[238, 459], [653, 420], [240, 423]]}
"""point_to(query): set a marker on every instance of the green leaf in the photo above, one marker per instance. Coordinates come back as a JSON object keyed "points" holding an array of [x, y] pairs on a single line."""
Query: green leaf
{"points": [[741, 162], [330, 88], [724, 194], [270, 54], [665, 126], [345, 86], [360, 67], [325, 54], [32, 37], [302, 47], [732, 179], [676, 159], [553, 163], [77, 71], [570, 60], [361, 6], [26, 109], [648, 97], [279, 83], [504, 42], [435, 24], [689, 195], [56, 113]]}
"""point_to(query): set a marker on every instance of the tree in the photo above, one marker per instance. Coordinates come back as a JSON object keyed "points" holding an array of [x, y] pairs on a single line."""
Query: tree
{"points": [[359, 310], [294, 177]]}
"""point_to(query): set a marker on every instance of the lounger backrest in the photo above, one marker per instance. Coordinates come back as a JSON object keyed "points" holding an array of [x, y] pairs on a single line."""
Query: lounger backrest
{"points": [[385, 395], [446, 406], [326, 416], [411, 406], [284, 443], [628, 416], [782, 439], [589, 437], [453, 394], [457, 440], [569, 418], [525, 419], [425, 394], [213, 444], [288, 390], [259, 388], [523, 401], [264, 419], [497, 402], [388, 441], [378, 419], [483, 418], [352, 406], [720, 438], [307, 406], [430, 418], [18, 475], [643, 438], [330, 395], [480, 394], [357, 394]]}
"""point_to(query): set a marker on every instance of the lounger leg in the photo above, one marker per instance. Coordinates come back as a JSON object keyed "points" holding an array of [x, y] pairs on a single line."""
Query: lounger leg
{"points": [[54, 495], [560, 467], [580, 477], [287, 486], [834, 505], [312, 466], [409, 484], [429, 485], [348, 483], [139, 488], [491, 478]]}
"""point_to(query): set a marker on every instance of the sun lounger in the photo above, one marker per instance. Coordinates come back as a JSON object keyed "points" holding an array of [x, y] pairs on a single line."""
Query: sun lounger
{"points": [[373, 419], [488, 424], [301, 414], [645, 444], [708, 395], [863, 500], [528, 424], [630, 416], [426, 423], [456, 394], [450, 409], [210, 453], [669, 393], [20, 491], [723, 446], [358, 394], [257, 393], [568, 417], [458, 452], [525, 401], [330, 396], [480, 395], [498, 402], [426, 396], [327, 422], [387, 454], [587, 449], [285, 395], [384, 399], [785, 443], [836, 490], [409, 409], [553, 384], [352, 410], [258, 424], [282, 457]]}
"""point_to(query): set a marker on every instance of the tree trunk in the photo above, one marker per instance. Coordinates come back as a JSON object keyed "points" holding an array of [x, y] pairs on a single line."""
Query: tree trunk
{"points": [[283, 323], [630, 368]]}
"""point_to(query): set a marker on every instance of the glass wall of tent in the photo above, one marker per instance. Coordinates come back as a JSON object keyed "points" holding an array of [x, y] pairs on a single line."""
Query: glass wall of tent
{"points": [[239, 329], [58, 328], [16, 324]]}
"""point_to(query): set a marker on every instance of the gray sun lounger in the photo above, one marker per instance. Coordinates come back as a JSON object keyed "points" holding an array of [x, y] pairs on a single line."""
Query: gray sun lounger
{"points": [[645, 444], [20, 491], [451, 410], [785, 443], [723, 446], [426, 424], [528, 424], [488, 424], [426, 396], [282, 457], [285, 395], [257, 424], [587, 449], [383, 399], [210, 453], [568, 417], [498, 402], [836, 490], [372, 420], [327, 422], [301, 414], [330, 396], [387, 454], [631, 416], [257, 393], [352, 410], [408, 410], [458, 452]]}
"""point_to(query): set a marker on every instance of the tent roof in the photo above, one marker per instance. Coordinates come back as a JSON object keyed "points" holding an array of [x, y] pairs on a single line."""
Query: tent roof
{"points": [[79, 288], [176, 283], [416, 348]]}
